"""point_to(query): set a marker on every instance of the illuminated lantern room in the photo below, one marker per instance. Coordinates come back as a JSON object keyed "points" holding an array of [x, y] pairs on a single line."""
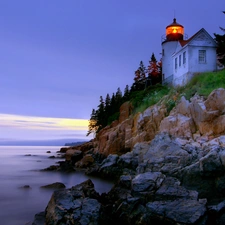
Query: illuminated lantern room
{"points": [[174, 31]]}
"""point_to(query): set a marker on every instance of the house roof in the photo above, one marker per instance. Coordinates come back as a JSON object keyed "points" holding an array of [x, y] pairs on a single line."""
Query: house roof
{"points": [[185, 42]]}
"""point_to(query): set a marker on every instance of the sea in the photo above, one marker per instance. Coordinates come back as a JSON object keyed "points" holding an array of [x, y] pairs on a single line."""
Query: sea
{"points": [[21, 166]]}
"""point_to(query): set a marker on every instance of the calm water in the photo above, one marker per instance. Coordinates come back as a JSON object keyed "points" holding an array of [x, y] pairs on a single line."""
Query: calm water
{"points": [[18, 205]]}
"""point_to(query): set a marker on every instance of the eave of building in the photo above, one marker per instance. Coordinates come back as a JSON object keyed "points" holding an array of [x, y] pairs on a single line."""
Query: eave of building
{"points": [[176, 53], [185, 43]]}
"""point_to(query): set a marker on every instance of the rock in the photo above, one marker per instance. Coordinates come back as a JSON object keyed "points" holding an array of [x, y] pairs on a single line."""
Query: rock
{"points": [[109, 167], [178, 125], [28, 155], [51, 157], [147, 181], [39, 219], [63, 149], [180, 211], [77, 155], [128, 160], [77, 205], [166, 156], [211, 163], [48, 152], [51, 168], [125, 111], [26, 187], [125, 181], [56, 185], [215, 100], [110, 161], [73, 155], [171, 190], [86, 161]]}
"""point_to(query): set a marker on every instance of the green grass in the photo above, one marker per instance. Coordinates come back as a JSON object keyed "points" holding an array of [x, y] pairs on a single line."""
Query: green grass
{"points": [[202, 84], [141, 100]]}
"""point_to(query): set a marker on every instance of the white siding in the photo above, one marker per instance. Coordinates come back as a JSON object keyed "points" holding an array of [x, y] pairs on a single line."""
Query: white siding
{"points": [[209, 65], [167, 64], [181, 73]]}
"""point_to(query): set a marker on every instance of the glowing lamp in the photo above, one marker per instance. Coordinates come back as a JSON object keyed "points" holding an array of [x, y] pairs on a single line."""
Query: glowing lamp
{"points": [[174, 31]]}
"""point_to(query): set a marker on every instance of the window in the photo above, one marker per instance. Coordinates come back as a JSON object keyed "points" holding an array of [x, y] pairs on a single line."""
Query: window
{"points": [[179, 60], [202, 56], [184, 57], [175, 63]]}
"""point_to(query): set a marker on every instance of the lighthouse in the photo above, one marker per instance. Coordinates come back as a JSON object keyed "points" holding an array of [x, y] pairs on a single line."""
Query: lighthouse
{"points": [[182, 58], [174, 33]]}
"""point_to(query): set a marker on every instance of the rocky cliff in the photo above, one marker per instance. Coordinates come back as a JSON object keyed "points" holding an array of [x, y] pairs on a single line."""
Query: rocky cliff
{"points": [[169, 168], [193, 120]]}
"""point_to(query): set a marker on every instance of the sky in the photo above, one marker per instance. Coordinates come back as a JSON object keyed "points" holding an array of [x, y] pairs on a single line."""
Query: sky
{"points": [[58, 57]]}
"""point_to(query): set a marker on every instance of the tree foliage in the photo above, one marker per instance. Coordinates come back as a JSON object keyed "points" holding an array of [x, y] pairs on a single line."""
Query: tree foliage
{"points": [[154, 70], [220, 40], [108, 109]]}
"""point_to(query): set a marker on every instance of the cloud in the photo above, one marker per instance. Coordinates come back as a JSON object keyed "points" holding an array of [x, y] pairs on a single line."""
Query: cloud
{"points": [[42, 123]]}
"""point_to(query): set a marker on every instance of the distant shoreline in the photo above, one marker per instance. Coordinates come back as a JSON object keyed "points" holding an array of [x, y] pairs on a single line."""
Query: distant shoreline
{"points": [[60, 142]]}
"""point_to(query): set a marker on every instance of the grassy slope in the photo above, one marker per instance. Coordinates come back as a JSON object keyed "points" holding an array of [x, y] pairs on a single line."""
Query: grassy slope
{"points": [[202, 84]]}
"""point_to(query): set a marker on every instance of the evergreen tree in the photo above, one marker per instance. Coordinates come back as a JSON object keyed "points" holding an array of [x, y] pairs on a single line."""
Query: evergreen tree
{"points": [[112, 105], [107, 102], [126, 94], [92, 127], [107, 109], [220, 40], [118, 98], [100, 114], [139, 78], [142, 70], [153, 70]]}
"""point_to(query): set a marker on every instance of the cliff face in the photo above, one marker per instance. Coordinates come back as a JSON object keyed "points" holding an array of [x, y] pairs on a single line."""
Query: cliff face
{"points": [[122, 135], [195, 119], [173, 171]]}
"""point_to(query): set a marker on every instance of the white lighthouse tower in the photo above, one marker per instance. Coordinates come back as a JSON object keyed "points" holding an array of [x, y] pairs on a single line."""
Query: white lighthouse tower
{"points": [[174, 33]]}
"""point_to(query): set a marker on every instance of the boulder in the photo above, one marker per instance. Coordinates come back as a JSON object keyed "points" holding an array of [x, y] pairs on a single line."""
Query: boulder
{"points": [[56, 185], [39, 219], [86, 161], [166, 155], [109, 167], [180, 211], [77, 205], [74, 155], [147, 181]]}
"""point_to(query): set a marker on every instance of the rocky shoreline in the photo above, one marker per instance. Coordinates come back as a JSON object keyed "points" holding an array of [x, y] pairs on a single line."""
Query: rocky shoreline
{"points": [[172, 174]]}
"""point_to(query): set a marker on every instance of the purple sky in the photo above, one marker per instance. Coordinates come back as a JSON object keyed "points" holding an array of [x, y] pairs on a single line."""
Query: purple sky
{"points": [[57, 57]]}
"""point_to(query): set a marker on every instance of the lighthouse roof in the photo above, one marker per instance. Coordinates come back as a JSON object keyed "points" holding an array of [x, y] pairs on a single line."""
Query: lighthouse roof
{"points": [[175, 24]]}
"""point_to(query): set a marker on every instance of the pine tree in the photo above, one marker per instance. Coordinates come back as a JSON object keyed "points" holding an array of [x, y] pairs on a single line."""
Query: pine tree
{"points": [[92, 127], [100, 114], [112, 105], [139, 78], [107, 109], [126, 94], [153, 70], [220, 40], [118, 98]]}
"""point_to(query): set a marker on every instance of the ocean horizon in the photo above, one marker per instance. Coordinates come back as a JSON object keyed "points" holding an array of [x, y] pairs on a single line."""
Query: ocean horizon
{"points": [[50, 142]]}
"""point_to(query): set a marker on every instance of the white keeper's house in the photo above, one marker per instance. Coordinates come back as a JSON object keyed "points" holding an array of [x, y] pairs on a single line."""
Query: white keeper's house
{"points": [[182, 57]]}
